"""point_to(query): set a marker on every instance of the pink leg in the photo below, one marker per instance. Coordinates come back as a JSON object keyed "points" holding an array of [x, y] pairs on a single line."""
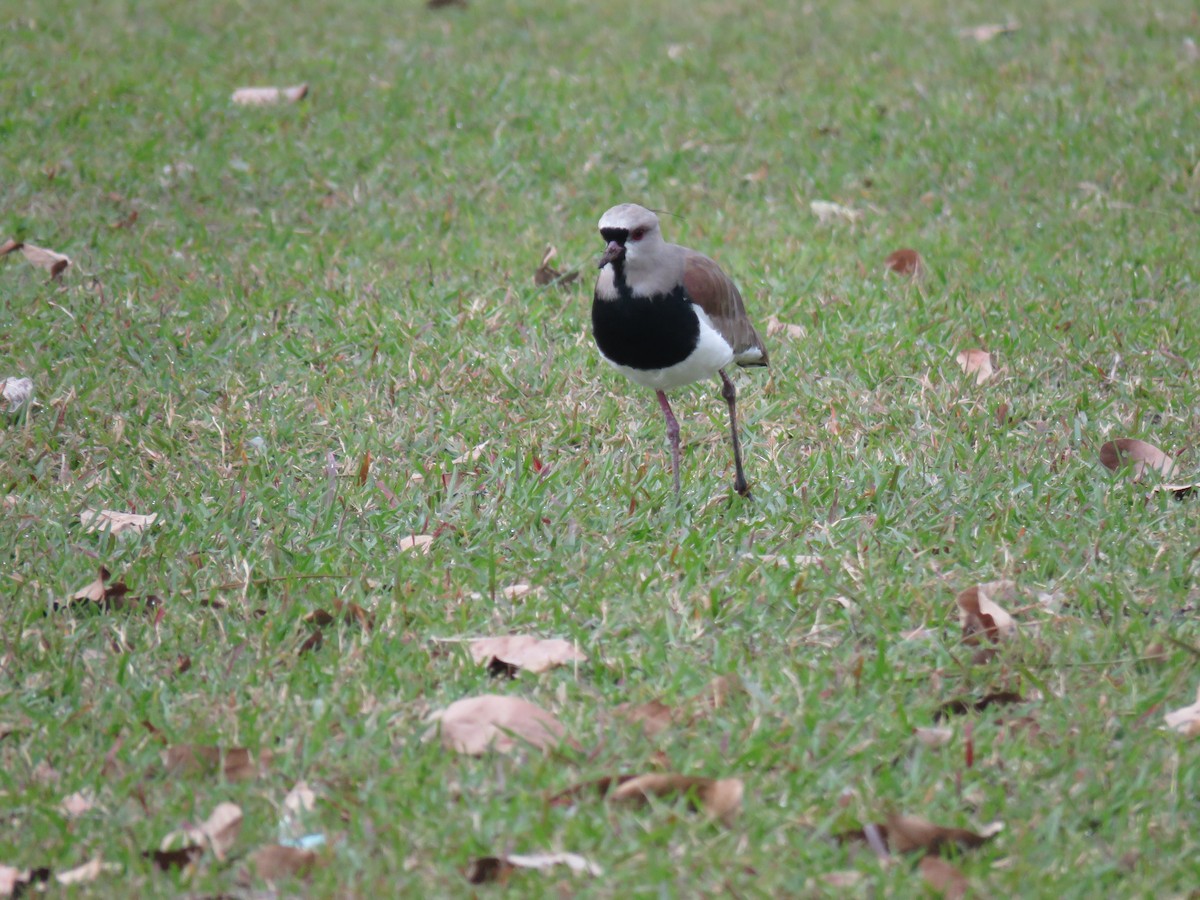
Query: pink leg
{"points": [[672, 435]]}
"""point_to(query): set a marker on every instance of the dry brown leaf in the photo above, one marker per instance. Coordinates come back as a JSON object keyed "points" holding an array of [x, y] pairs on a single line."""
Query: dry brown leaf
{"points": [[1139, 456], [52, 262], [759, 174], [417, 543], [526, 652], [115, 522], [547, 274], [654, 717], [904, 834], [517, 591], [220, 831], [236, 764], [980, 614], [471, 455], [774, 327], [476, 725], [827, 212], [498, 868], [266, 96], [349, 612], [905, 261], [719, 797], [274, 862], [1186, 719], [10, 246], [78, 804], [1179, 490], [110, 596], [934, 737], [86, 873], [718, 691], [977, 363], [907, 833], [983, 33], [16, 392], [943, 877]]}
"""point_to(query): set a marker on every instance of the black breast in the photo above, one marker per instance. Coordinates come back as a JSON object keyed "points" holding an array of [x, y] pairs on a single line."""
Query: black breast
{"points": [[645, 332]]}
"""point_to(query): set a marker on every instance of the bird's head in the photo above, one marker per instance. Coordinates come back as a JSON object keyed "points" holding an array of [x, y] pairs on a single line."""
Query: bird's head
{"points": [[631, 232]]}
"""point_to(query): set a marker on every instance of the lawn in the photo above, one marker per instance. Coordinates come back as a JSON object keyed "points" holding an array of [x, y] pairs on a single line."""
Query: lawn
{"points": [[303, 335]]}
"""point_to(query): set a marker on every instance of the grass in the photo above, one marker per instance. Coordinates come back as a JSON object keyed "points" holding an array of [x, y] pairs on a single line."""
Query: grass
{"points": [[353, 275]]}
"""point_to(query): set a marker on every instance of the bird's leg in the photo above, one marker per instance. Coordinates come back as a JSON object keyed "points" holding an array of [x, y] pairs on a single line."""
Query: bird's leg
{"points": [[673, 435], [729, 392]]}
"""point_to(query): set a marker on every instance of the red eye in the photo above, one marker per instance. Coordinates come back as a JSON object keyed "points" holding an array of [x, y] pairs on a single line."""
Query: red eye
{"points": [[637, 234]]}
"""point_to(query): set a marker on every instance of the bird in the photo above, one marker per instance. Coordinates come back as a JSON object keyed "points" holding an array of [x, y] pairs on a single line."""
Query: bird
{"points": [[665, 316]]}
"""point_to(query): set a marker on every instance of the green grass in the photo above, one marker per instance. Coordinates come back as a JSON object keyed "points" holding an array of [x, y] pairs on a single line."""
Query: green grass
{"points": [[353, 275]]}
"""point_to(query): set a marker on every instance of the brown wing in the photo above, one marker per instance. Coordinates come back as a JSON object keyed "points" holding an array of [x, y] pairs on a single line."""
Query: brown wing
{"points": [[714, 292]]}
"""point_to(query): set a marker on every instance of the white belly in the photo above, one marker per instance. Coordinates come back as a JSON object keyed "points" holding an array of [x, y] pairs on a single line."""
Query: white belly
{"points": [[712, 353]]}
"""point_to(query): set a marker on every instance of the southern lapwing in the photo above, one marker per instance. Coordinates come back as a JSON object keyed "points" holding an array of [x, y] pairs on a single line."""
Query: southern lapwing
{"points": [[666, 316]]}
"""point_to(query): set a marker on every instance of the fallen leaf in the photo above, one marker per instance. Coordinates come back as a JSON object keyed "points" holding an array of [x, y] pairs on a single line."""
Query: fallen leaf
{"points": [[827, 212], [88, 872], [100, 591], [526, 652], [476, 725], [904, 834], [943, 877], [846, 878], [52, 262], [115, 522], [934, 737], [274, 861], [498, 868], [220, 831], [128, 222], [471, 455], [719, 797], [774, 327], [654, 717], [78, 804], [1179, 490], [418, 543], [236, 764], [983, 33], [1186, 719], [517, 591], [547, 274], [977, 363], [10, 246], [349, 612], [979, 614], [364, 469], [1138, 456], [265, 96], [16, 392], [905, 261], [962, 707]]}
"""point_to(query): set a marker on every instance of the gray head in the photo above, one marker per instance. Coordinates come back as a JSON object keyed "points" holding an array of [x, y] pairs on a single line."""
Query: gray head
{"points": [[630, 231]]}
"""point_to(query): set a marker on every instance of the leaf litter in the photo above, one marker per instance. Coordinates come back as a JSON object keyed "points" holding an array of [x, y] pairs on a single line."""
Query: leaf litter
{"points": [[488, 869], [532, 654], [720, 798], [977, 363], [16, 392], [476, 725]]}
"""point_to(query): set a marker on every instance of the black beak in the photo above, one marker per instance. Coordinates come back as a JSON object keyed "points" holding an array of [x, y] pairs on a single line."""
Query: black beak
{"points": [[612, 253]]}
